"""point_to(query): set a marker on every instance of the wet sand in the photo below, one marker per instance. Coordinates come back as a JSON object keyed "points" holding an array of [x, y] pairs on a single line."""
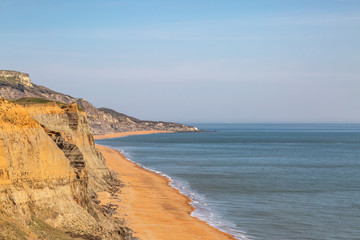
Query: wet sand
{"points": [[123, 134], [151, 207]]}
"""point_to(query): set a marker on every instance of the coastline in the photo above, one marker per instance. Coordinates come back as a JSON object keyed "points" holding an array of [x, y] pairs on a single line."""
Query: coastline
{"points": [[124, 134], [150, 206]]}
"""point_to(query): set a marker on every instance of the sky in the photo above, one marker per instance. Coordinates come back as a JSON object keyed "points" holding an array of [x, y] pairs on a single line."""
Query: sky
{"points": [[223, 61]]}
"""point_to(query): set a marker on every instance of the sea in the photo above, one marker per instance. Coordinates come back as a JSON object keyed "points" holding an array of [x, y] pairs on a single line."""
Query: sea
{"points": [[262, 181]]}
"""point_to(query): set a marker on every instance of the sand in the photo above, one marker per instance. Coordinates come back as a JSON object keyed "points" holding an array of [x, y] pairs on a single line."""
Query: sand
{"points": [[151, 207], [123, 134]]}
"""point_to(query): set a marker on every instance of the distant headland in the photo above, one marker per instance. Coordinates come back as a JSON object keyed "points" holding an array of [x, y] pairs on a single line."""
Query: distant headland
{"points": [[16, 85]]}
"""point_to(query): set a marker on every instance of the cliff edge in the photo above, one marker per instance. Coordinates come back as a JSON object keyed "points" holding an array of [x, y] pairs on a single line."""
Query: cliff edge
{"points": [[15, 85]]}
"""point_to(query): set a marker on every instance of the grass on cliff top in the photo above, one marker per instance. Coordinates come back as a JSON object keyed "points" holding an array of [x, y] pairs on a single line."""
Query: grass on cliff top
{"points": [[63, 105], [8, 79], [32, 100], [43, 100]]}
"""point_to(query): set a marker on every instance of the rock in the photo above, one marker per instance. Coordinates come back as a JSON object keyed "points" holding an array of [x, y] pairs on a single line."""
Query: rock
{"points": [[16, 77]]}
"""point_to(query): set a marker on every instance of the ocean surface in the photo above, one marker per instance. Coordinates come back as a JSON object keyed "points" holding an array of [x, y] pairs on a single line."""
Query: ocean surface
{"points": [[256, 181]]}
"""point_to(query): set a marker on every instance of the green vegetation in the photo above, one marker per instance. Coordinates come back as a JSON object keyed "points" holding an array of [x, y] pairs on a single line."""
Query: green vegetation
{"points": [[43, 100], [12, 231], [44, 230], [31, 100], [63, 105], [8, 79]]}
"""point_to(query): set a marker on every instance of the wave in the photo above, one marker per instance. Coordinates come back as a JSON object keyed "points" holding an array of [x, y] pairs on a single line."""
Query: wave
{"points": [[202, 210]]}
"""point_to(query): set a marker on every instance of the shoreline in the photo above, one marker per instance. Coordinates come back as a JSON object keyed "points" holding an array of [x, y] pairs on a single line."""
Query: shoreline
{"points": [[150, 206], [124, 134]]}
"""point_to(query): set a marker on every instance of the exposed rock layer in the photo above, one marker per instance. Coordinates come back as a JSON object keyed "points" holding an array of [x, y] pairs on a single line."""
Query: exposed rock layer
{"points": [[16, 77], [71, 124]]}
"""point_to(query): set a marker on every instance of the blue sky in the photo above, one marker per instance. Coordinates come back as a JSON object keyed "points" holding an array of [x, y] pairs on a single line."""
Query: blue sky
{"points": [[193, 61]]}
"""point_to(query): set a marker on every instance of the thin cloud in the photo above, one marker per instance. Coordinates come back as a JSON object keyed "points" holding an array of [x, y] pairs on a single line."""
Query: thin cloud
{"points": [[239, 29], [329, 19]]}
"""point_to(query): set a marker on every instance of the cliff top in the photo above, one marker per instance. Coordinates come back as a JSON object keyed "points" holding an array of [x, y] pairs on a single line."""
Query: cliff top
{"points": [[26, 101], [15, 77], [14, 115]]}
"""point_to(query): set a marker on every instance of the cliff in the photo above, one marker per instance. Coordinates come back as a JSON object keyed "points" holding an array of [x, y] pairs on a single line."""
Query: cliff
{"points": [[72, 126], [49, 173], [16, 85], [50, 169], [16, 77]]}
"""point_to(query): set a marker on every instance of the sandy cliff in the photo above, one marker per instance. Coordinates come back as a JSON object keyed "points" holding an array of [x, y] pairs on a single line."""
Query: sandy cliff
{"points": [[73, 127], [49, 172]]}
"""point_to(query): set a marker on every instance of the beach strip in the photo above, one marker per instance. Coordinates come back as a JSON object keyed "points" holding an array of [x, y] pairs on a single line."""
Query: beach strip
{"points": [[124, 134], [150, 206]]}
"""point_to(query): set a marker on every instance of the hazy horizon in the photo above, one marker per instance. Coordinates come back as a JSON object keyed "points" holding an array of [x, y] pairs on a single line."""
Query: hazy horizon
{"points": [[255, 61]]}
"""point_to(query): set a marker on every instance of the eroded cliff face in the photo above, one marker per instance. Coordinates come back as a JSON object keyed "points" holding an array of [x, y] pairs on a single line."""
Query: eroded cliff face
{"points": [[49, 171], [72, 125]]}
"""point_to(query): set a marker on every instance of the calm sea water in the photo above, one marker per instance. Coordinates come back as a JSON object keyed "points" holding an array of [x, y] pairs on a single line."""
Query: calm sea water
{"points": [[262, 181]]}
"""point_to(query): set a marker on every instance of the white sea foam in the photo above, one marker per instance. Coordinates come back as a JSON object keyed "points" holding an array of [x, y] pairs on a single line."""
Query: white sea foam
{"points": [[202, 210]]}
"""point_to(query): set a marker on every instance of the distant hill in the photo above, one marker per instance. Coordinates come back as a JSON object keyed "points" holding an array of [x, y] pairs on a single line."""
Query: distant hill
{"points": [[16, 85]]}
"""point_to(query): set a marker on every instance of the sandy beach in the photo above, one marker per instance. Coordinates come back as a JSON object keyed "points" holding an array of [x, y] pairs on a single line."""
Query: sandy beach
{"points": [[124, 134], [150, 206]]}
